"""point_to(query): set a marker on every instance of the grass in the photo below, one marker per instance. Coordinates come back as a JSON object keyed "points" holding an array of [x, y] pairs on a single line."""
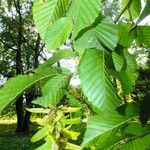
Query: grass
{"points": [[10, 141]]}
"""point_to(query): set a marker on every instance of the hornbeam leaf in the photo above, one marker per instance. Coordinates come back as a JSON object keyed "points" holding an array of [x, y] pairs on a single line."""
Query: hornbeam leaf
{"points": [[125, 37], [58, 33], [143, 34], [131, 64], [95, 81], [108, 140], [84, 13], [101, 124], [118, 61], [136, 129], [53, 91], [142, 143], [103, 36], [46, 13], [61, 54], [127, 80], [17, 85]]}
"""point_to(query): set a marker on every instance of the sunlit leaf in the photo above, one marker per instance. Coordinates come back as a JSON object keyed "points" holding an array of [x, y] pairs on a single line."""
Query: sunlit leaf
{"points": [[95, 81]]}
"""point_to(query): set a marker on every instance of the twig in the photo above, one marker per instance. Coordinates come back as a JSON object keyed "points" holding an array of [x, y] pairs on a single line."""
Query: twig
{"points": [[121, 13], [89, 106], [7, 45]]}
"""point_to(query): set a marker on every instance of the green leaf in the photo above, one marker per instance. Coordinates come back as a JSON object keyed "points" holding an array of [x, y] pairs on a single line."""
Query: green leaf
{"points": [[95, 81], [138, 144], [17, 85], [45, 13], [107, 140], [143, 34], [83, 13], [103, 123], [103, 36], [125, 37], [40, 134], [58, 33], [104, 141], [61, 54], [118, 60], [131, 64], [73, 102], [127, 80], [134, 7], [145, 12], [135, 128], [53, 91]]}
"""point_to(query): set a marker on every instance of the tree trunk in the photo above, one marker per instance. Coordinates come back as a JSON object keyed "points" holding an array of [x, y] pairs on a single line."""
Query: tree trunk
{"points": [[19, 70], [20, 114], [32, 92], [36, 52]]}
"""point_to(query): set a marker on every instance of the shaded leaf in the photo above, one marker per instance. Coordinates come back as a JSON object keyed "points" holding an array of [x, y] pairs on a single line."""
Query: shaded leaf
{"points": [[143, 34], [22, 82], [118, 60], [103, 123], [53, 91], [125, 37], [131, 64], [135, 128], [127, 80], [138, 144]]}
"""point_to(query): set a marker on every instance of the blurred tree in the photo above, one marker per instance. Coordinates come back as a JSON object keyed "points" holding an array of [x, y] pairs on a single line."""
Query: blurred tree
{"points": [[21, 48]]}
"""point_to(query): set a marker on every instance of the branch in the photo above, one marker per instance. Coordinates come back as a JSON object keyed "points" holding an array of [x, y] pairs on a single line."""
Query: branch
{"points": [[16, 6], [7, 45], [121, 13], [41, 50], [11, 36]]}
